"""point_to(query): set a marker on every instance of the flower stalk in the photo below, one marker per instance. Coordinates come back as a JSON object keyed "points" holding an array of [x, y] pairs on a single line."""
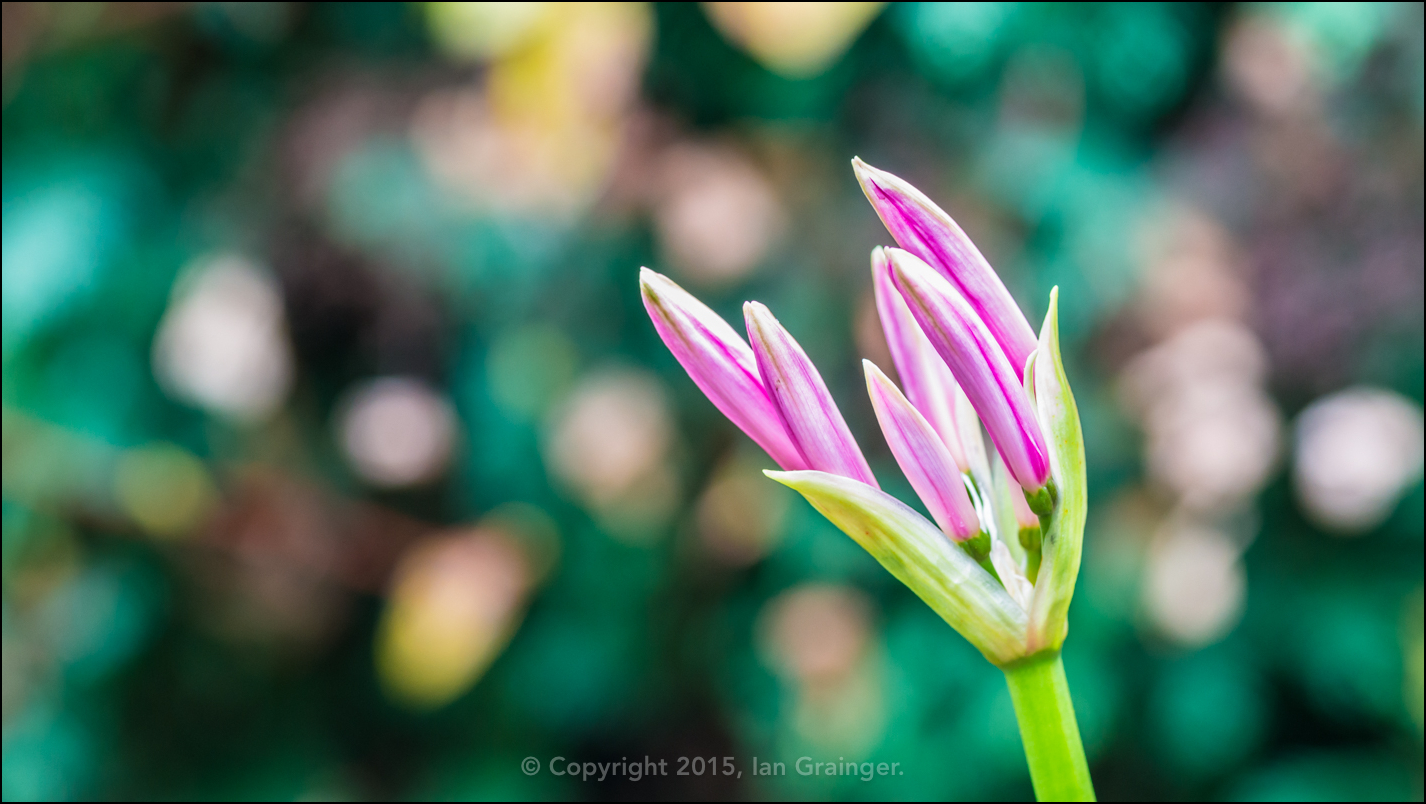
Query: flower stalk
{"points": [[999, 558], [1048, 728]]}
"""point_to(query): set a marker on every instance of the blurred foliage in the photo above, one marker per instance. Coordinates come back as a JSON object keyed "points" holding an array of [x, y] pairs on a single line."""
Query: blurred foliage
{"points": [[341, 461]]}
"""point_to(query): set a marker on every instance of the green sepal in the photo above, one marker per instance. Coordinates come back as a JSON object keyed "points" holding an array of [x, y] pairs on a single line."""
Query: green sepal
{"points": [[978, 548], [1030, 543]]}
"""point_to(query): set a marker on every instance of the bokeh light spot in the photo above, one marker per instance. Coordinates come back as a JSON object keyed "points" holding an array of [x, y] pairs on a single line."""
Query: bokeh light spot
{"points": [[609, 442], [397, 431], [223, 343], [56, 238], [1356, 451], [1143, 58], [716, 214], [454, 604], [482, 30], [741, 515], [954, 41], [165, 489], [1194, 583], [795, 40]]}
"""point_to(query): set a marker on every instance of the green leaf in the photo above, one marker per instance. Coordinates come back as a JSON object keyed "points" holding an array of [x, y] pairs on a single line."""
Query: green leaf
{"points": [[1061, 545], [920, 556]]}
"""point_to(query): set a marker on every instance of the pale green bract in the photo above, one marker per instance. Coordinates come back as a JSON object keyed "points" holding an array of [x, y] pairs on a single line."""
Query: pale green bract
{"points": [[1061, 547], [920, 556]]}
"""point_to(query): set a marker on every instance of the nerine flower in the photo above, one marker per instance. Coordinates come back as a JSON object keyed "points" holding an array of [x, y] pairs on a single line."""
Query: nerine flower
{"points": [[967, 360], [1000, 561]]}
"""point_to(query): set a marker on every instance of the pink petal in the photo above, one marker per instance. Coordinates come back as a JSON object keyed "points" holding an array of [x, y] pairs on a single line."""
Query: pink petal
{"points": [[925, 230], [720, 363], [923, 456], [808, 412], [992, 385], [929, 383]]}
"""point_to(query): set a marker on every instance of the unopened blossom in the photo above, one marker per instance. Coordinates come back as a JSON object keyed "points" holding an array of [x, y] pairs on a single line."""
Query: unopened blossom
{"points": [[719, 362], [924, 229], [770, 390], [966, 357]]}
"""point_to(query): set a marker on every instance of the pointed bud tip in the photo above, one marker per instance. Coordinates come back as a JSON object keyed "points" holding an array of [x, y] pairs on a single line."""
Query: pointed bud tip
{"points": [[877, 383], [1051, 326], [874, 375], [661, 293], [764, 329], [758, 310], [874, 372], [904, 262], [650, 281], [868, 177], [869, 173]]}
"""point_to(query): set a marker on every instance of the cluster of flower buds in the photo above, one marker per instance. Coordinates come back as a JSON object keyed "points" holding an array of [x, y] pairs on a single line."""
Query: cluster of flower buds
{"points": [[1000, 562]]}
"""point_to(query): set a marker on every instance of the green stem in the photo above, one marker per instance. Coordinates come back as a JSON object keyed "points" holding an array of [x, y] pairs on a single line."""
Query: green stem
{"points": [[1048, 728]]}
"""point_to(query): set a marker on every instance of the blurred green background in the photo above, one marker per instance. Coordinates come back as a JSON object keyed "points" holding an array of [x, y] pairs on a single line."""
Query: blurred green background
{"points": [[341, 460]]}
